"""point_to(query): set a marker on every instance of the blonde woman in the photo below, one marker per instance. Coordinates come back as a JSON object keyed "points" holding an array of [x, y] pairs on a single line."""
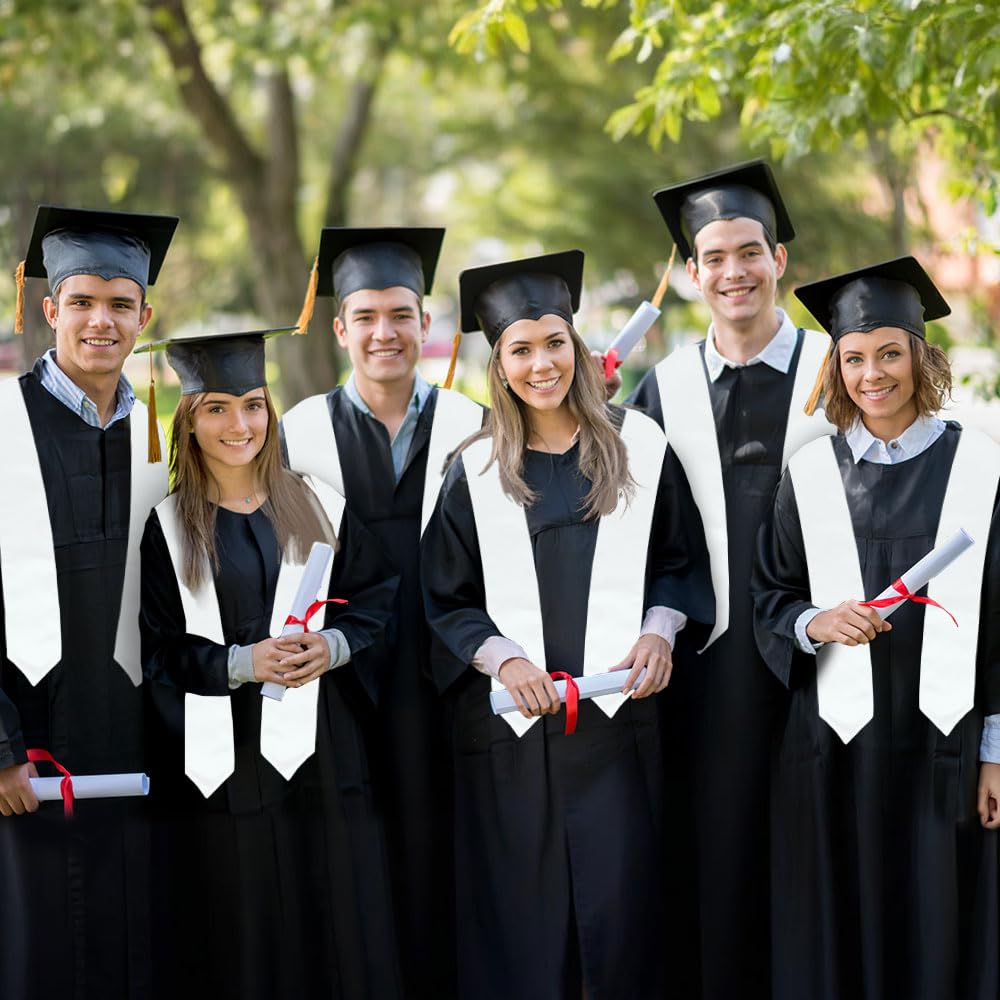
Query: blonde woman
{"points": [[564, 541], [885, 882], [273, 880]]}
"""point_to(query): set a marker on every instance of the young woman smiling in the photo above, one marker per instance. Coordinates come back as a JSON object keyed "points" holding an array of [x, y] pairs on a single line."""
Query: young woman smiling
{"points": [[550, 551], [267, 829], [885, 880]]}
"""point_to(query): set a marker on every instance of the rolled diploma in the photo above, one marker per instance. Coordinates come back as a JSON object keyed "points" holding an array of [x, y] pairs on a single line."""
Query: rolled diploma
{"points": [[312, 579], [590, 685], [634, 330], [921, 573], [92, 786]]}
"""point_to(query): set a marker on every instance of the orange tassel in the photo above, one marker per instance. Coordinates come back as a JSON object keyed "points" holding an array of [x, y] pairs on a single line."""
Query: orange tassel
{"points": [[309, 304], [19, 308], [154, 454], [661, 289], [813, 401], [455, 345]]}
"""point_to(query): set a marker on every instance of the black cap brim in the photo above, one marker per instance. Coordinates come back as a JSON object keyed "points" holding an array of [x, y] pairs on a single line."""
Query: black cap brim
{"points": [[819, 297], [156, 231], [425, 242], [754, 174]]}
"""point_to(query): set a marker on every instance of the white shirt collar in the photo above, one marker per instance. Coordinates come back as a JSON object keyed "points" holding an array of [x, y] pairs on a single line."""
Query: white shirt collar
{"points": [[777, 353], [915, 440]]}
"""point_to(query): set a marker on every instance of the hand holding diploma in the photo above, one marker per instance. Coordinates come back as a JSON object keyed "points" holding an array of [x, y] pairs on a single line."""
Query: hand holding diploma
{"points": [[530, 689], [651, 664], [589, 686], [17, 796]]}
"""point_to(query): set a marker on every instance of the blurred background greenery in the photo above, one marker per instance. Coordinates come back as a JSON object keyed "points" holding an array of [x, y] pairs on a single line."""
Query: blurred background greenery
{"points": [[521, 125]]}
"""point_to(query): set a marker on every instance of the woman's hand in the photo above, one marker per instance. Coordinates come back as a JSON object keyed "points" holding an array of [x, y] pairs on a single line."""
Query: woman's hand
{"points": [[532, 689], [849, 623], [989, 795], [652, 652], [16, 794], [291, 660]]}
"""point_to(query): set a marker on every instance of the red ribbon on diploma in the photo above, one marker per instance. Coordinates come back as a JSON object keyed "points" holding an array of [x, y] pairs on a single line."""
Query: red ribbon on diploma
{"points": [[310, 611], [65, 786], [611, 362], [572, 699], [905, 595]]}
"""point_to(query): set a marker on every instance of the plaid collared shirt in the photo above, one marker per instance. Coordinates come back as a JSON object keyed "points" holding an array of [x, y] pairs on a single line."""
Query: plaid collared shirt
{"points": [[55, 381]]}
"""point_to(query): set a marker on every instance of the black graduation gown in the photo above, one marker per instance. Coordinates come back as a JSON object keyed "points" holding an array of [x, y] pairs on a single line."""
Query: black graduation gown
{"points": [[558, 838], [884, 883], [406, 740], [75, 893], [271, 888], [721, 710]]}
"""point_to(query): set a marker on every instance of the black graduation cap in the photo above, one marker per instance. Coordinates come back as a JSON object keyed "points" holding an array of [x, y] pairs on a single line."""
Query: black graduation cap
{"points": [[68, 241], [218, 362], [747, 190], [351, 259], [494, 296], [896, 293]]}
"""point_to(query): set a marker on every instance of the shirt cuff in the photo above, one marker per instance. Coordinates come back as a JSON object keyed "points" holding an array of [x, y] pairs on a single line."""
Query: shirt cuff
{"points": [[989, 746], [340, 651], [494, 653], [802, 639], [240, 666], [664, 622]]}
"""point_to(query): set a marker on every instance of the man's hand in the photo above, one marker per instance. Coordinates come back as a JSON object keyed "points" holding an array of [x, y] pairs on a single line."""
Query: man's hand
{"points": [[533, 689], [989, 795], [16, 795], [848, 623], [652, 652], [307, 657]]}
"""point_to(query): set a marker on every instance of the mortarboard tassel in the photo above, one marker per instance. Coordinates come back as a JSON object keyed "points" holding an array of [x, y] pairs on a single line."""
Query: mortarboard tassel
{"points": [[154, 454], [455, 345], [813, 401], [19, 308], [661, 289], [309, 304]]}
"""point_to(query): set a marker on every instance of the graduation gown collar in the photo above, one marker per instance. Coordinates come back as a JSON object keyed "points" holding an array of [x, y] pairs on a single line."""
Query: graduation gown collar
{"points": [[27, 552]]}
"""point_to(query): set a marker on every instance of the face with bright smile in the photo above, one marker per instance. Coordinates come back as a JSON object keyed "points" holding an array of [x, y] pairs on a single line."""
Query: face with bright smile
{"points": [[736, 272], [877, 369], [230, 430], [382, 331], [537, 358], [96, 323]]}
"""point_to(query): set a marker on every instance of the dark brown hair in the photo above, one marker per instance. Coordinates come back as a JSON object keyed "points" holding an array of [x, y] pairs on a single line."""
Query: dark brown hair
{"points": [[291, 506], [931, 384]]}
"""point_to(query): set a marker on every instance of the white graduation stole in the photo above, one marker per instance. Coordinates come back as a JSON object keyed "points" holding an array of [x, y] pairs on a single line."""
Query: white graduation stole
{"points": [[312, 443], [288, 727], [27, 551], [690, 429], [617, 580], [948, 655]]}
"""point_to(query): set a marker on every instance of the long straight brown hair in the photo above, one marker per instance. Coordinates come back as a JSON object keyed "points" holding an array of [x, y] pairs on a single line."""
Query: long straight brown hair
{"points": [[291, 506], [603, 455]]}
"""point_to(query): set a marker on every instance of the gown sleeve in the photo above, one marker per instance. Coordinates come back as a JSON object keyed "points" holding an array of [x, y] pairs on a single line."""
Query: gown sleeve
{"points": [[11, 737], [989, 621], [361, 574], [678, 572], [452, 578], [780, 585], [646, 397]]}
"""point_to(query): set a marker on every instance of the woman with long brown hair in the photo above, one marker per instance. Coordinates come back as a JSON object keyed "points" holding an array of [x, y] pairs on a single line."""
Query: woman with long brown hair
{"points": [[273, 880], [885, 882], [565, 540]]}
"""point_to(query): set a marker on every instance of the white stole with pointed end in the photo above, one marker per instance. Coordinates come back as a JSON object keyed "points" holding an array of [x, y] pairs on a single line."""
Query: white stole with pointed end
{"points": [[27, 551], [288, 727], [690, 428], [617, 576], [948, 655]]}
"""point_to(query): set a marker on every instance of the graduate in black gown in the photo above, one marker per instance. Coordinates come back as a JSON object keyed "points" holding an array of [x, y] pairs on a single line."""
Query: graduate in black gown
{"points": [[551, 550], [77, 487], [382, 439], [271, 865], [885, 882], [731, 407]]}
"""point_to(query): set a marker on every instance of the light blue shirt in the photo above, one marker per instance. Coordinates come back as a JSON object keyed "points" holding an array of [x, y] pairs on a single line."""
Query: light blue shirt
{"points": [[399, 446], [915, 440], [58, 384]]}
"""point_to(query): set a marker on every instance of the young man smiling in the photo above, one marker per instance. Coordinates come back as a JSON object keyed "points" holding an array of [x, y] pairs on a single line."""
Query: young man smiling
{"points": [[732, 410], [75, 497], [382, 440]]}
